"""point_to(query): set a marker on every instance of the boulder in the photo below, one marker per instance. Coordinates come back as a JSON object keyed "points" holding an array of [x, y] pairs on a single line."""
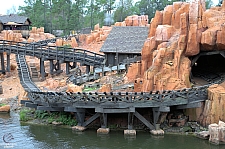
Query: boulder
{"points": [[163, 33], [74, 42], [167, 15], [192, 43], [208, 38], [217, 133], [105, 88], [213, 110], [5, 108], [74, 88], [157, 20]]}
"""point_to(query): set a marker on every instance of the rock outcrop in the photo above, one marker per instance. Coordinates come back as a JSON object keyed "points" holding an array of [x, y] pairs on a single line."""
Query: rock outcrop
{"points": [[217, 133], [179, 31], [5, 108], [35, 35], [214, 107]]}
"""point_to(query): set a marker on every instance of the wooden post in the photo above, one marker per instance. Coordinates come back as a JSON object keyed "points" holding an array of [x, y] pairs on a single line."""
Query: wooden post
{"points": [[8, 63], [103, 119], [67, 68], [51, 67], [2, 63], [42, 69], [87, 69], [130, 120]]}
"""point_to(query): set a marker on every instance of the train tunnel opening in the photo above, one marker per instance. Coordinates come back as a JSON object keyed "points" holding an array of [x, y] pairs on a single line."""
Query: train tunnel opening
{"points": [[207, 68]]}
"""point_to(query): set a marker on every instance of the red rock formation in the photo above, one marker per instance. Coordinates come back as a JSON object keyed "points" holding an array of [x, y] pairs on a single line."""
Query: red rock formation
{"points": [[179, 31], [105, 88]]}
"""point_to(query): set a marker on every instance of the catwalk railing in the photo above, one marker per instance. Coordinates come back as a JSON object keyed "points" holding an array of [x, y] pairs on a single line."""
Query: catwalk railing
{"points": [[63, 54]]}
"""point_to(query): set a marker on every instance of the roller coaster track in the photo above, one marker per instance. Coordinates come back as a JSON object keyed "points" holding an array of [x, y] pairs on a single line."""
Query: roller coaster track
{"points": [[101, 102], [63, 54], [188, 95], [24, 74]]}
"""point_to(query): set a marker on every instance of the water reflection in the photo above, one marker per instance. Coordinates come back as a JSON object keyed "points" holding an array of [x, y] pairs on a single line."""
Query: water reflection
{"points": [[44, 137]]}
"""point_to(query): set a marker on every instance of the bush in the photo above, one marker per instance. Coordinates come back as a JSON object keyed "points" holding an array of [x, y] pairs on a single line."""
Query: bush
{"points": [[24, 114], [2, 104]]}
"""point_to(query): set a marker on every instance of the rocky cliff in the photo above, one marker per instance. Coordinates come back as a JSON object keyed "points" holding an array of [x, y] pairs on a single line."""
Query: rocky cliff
{"points": [[179, 31]]}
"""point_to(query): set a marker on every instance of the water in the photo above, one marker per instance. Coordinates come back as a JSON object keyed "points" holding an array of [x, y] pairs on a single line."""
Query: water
{"points": [[26, 136]]}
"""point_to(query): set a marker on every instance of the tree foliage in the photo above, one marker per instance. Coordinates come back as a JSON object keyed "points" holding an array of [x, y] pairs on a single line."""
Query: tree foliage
{"points": [[70, 15]]}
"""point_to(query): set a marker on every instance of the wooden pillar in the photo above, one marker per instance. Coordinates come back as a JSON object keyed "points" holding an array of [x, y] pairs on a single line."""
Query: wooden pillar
{"points": [[87, 69], [42, 69], [67, 68], [103, 119], [58, 65], [74, 65], [51, 67], [130, 120], [80, 115], [8, 63], [2, 63]]}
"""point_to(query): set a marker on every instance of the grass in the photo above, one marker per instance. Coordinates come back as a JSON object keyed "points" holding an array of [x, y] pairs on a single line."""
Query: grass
{"points": [[24, 115], [88, 89], [64, 117], [2, 104]]}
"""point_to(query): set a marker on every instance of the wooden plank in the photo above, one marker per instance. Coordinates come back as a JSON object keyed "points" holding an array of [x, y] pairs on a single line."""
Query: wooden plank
{"points": [[73, 109], [31, 105], [24, 101], [91, 119], [189, 105], [122, 110], [143, 120], [50, 108]]}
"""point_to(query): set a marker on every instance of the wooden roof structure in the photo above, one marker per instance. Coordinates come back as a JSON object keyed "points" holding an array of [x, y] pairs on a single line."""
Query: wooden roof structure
{"points": [[14, 19], [125, 39]]}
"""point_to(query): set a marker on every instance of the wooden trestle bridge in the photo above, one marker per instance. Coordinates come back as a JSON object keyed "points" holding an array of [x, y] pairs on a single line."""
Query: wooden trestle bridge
{"points": [[102, 103]]}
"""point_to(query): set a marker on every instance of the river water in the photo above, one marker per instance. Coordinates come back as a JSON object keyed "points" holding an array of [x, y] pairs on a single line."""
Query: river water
{"points": [[14, 134]]}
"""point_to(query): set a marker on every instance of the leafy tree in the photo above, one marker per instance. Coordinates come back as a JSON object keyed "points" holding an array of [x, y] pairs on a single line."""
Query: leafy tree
{"points": [[208, 4], [149, 7], [12, 10], [125, 8]]}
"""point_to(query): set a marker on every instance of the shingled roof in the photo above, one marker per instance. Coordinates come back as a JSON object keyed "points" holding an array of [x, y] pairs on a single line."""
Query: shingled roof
{"points": [[13, 18], [125, 39]]}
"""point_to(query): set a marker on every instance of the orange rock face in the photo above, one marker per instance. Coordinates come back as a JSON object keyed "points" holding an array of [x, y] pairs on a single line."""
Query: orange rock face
{"points": [[74, 88], [214, 107], [5, 108], [105, 88], [179, 31]]}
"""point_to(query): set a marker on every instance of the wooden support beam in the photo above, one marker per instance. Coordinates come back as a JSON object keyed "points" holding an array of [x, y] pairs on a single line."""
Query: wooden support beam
{"points": [[73, 109], [42, 69], [88, 68], [67, 68], [2, 63], [45, 108], [130, 120], [51, 67], [91, 119], [156, 114], [31, 105], [80, 118], [8, 63], [24, 101], [103, 120], [189, 105], [143, 120], [157, 111], [114, 110]]}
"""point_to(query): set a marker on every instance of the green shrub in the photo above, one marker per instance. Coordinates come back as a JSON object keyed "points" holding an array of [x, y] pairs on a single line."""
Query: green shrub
{"points": [[66, 119], [2, 104], [24, 114]]}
